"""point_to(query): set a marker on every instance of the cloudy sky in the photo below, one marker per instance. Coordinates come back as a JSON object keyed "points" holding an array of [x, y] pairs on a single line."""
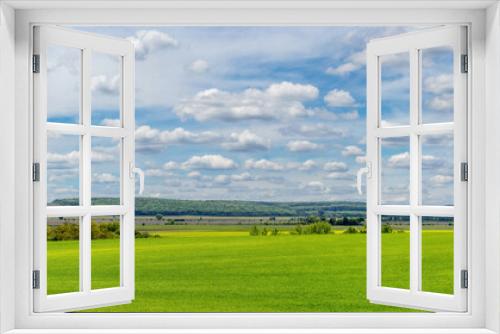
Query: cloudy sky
{"points": [[249, 113]]}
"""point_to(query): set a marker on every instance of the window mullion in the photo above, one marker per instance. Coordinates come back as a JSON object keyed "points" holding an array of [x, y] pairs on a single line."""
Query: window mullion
{"points": [[85, 240], [415, 267]]}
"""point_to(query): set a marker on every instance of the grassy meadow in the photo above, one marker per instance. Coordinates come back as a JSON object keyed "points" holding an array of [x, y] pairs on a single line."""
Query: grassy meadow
{"points": [[222, 268]]}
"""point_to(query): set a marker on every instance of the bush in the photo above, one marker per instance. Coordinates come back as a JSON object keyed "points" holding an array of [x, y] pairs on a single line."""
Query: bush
{"points": [[254, 230], [275, 231], [105, 230], [351, 230], [318, 228], [264, 231], [386, 228], [299, 229], [363, 229], [145, 235], [65, 231]]}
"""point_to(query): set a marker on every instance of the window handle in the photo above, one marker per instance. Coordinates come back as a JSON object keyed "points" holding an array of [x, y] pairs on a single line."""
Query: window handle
{"points": [[365, 170], [133, 171]]}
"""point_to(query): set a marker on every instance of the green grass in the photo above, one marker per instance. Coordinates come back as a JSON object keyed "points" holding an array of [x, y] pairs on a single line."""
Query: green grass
{"points": [[230, 271]]}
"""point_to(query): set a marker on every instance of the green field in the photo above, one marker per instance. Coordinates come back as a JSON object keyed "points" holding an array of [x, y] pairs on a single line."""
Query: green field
{"points": [[213, 269]]}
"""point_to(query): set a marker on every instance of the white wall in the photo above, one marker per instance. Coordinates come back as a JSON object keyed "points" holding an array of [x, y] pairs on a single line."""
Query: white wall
{"points": [[7, 160], [492, 274]]}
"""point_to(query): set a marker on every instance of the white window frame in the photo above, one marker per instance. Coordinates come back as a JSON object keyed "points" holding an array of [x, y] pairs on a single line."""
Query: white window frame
{"points": [[86, 297], [483, 315], [454, 38]]}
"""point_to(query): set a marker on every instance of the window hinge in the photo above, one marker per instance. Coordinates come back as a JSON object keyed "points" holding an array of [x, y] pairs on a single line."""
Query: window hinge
{"points": [[465, 64], [36, 63], [464, 171], [36, 279], [36, 172], [464, 279]]}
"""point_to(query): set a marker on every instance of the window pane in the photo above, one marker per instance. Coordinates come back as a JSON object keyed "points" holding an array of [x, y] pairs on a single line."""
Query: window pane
{"points": [[395, 89], [106, 155], [437, 254], [437, 85], [395, 257], [106, 89], [63, 169], [63, 255], [63, 84], [437, 169], [395, 170], [105, 252]]}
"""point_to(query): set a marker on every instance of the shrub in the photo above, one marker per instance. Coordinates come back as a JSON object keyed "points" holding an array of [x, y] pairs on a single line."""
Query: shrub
{"points": [[318, 228], [386, 228], [363, 229], [264, 231], [299, 229], [105, 230], [275, 231], [65, 231], [254, 230], [351, 230]]}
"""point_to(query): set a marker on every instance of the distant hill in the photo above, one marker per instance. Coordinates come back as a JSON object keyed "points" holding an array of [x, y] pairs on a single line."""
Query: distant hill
{"points": [[146, 206]]}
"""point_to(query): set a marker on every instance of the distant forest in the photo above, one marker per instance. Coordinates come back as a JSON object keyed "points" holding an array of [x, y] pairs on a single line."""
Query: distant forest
{"points": [[146, 206]]}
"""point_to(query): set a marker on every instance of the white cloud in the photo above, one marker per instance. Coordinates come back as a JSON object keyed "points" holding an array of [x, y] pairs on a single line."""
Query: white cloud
{"points": [[441, 179], [194, 175], [361, 159], [278, 101], [105, 85], [209, 161], [199, 66], [150, 139], [226, 179], [147, 42], [302, 146], [352, 150], [339, 98], [401, 160], [246, 141], [354, 62], [335, 166], [171, 165], [314, 130], [316, 186], [104, 178], [349, 116], [111, 122], [340, 176], [263, 164], [439, 84], [430, 161], [289, 90], [101, 155], [308, 164], [442, 102], [155, 172], [63, 160]]}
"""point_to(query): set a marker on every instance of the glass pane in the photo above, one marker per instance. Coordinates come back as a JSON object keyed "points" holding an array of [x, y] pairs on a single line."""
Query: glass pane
{"points": [[63, 169], [437, 169], [106, 89], [395, 170], [395, 257], [63, 84], [395, 89], [105, 252], [437, 85], [437, 254], [63, 255], [106, 171]]}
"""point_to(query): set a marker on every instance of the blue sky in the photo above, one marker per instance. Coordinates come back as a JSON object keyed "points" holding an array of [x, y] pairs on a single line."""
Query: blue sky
{"points": [[247, 113]]}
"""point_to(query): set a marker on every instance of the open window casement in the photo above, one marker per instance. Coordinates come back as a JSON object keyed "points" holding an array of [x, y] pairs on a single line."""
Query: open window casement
{"points": [[416, 98], [57, 49]]}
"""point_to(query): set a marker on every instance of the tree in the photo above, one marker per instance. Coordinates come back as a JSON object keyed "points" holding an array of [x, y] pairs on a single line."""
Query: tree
{"points": [[159, 217]]}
